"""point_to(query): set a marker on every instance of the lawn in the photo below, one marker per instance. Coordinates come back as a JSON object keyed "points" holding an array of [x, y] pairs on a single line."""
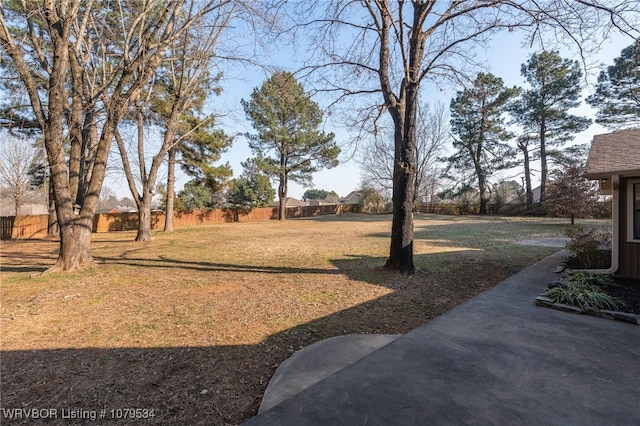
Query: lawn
{"points": [[194, 323]]}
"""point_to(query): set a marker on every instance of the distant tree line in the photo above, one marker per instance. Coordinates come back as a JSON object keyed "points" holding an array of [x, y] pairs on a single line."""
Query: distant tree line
{"points": [[494, 128], [89, 78]]}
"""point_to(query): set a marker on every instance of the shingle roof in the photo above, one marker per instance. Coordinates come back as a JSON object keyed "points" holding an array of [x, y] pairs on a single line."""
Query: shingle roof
{"points": [[290, 202], [614, 153]]}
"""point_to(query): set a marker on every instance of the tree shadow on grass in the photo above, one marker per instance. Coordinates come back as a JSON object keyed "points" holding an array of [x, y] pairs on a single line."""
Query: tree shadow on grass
{"points": [[224, 384], [202, 385], [15, 259], [165, 262]]}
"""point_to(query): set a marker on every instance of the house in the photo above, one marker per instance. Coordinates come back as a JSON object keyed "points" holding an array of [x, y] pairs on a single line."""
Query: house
{"points": [[314, 202], [614, 160], [535, 194], [290, 202], [352, 198], [122, 208], [34, 204]]}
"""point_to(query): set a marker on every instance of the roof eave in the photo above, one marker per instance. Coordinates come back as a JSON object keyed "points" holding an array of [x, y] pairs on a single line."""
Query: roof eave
{"points": [[607, 174]]}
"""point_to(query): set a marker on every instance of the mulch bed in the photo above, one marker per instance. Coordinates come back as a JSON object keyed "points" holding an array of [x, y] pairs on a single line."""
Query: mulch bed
{"points": [[628, 291]]}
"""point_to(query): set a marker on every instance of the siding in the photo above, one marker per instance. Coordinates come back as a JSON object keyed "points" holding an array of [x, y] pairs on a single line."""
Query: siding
{"points": [[629, 253]]}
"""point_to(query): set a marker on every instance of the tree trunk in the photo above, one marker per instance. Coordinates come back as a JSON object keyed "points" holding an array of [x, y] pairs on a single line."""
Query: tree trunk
{"points": [[52, 220], [171, 183], [144, 217], [282, 197], [75, 247], [527, 175], [75, 226], [544, 172], [404, 174], [482, 188], [144, 197], [483, 205], [401, 251]]}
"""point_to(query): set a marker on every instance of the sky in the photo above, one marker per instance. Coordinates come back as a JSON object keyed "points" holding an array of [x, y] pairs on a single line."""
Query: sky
{"points": [[503, 57]]}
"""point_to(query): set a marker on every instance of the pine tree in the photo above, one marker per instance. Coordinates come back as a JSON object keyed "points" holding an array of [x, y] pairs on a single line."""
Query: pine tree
{"points": [[617, 96], [287, 122], [543, 109], [477, 118]]}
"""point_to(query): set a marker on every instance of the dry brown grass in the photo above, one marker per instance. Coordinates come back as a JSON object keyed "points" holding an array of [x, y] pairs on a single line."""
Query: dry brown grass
{"points": [[194, 323]]}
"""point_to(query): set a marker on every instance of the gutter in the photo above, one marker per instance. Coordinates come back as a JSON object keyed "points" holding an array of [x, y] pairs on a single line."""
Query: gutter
{"points": [[615, 223]]}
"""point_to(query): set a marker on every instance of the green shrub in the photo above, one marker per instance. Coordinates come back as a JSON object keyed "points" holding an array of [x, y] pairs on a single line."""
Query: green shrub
{"points": [[584, 290]]}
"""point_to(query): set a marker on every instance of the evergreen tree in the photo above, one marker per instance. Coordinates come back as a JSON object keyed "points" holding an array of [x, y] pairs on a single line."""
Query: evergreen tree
{"points": [[250, 191], [543, 109], [196, 196], [477, 118], [617, 96], [320, 194], [287, 122], [507, 193]]}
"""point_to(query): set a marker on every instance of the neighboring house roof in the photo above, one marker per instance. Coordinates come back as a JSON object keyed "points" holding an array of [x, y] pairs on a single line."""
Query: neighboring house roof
{"points": [[294, 202], [125, 208], [352, 198], [33, 204], [290, 202], [318, 202], [616, 153], [122, 208], [25, 209]]}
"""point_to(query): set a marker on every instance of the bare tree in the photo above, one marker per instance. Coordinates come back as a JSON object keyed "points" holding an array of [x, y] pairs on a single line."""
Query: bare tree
{"points": [[376, 156], [395, 46], [167, 96], [571, 194], [173, 101], [82, 64], [524, 143], [17, 158]]}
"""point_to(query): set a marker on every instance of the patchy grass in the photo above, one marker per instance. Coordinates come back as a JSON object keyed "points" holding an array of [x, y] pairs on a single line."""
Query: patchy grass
{"points": [[194, 323]]}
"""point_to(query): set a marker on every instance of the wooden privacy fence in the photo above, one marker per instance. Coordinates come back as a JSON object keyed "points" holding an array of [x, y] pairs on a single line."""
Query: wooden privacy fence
{"points": [[32, 226], [35, 226]]}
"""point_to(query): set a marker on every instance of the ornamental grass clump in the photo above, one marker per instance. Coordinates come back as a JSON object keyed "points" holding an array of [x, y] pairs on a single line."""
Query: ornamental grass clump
{"points": [[591, 278], [584, 290]]}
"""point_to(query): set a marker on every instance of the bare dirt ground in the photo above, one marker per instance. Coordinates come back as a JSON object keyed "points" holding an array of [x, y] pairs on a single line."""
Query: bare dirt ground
{"points": [[191, 326]]}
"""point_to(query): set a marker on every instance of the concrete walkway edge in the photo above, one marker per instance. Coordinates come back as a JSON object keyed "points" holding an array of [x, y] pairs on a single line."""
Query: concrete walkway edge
{"points": [[318, 361]]}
